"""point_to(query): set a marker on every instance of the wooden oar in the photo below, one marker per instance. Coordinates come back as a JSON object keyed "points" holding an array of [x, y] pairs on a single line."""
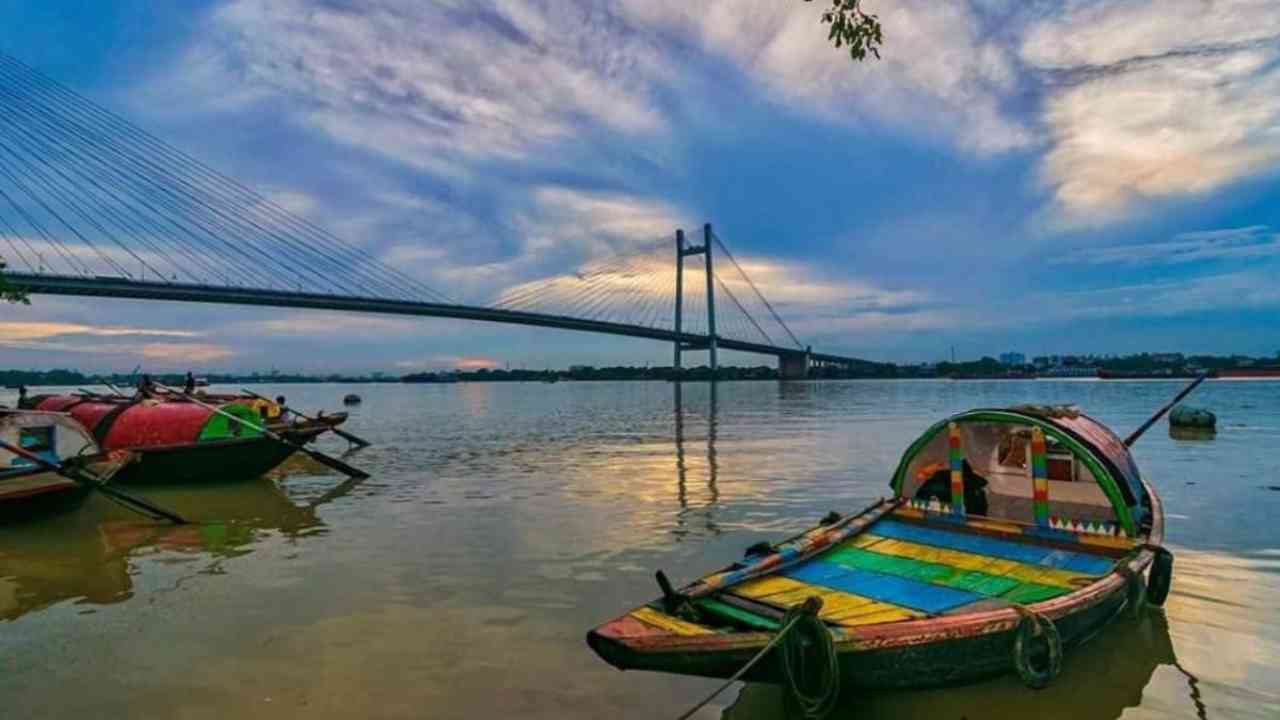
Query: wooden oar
{"points": [[336, 431], [1133, 436], [84, 477], [316, 455]]}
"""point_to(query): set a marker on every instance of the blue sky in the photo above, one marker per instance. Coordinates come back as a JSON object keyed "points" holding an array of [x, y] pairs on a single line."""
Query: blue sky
{"points": [[1034, 176]]}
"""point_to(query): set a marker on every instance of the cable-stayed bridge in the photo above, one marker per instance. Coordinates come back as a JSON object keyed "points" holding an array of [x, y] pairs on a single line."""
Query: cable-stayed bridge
{"points": [[92, 205]]}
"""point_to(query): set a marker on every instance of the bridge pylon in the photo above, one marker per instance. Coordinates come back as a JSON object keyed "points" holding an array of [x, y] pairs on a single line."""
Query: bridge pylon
{"points": [[683, 251]]}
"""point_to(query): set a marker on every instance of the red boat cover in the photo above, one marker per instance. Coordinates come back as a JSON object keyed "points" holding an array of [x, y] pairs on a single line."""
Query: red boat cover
{"points": [[152, 423]]}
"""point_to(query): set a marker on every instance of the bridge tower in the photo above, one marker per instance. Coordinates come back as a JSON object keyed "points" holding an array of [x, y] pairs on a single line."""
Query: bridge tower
{"points": [[683, 251]]}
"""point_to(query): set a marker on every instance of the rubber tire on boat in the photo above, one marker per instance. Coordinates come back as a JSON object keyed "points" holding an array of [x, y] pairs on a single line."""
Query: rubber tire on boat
{"points": [[1025, 634], [1136, 598], [1161, 578]]}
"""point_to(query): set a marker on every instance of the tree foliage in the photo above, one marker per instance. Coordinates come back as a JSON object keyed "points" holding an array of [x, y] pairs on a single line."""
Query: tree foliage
{"points": [[9, 293], [853, 28]]}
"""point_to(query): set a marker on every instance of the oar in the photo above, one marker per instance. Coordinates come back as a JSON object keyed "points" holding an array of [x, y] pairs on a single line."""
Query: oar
{"points": [[316, 455], [1133, 436], [111, 387], [84, 477], [336, 431]]}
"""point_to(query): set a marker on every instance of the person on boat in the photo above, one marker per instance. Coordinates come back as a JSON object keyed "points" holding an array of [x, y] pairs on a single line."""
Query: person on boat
{"points": [[937, 477], [22, 396], [189, 387], [284, 414], [146, 388]]}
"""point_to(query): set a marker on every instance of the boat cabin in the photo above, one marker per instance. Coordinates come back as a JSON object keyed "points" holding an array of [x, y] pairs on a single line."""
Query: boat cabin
{"points": [[52, 436], [1046, 466]]}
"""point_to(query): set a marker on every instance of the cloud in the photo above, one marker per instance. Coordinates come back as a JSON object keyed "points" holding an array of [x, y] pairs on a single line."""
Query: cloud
{"points": [[1156, 99], [424, 82], [184, 353], [19, 331], [941, 72], [1255, 241], [449, 362]]}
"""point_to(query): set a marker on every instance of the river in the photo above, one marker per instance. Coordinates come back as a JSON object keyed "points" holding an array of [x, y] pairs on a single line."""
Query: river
{"points": [[504, 520]]}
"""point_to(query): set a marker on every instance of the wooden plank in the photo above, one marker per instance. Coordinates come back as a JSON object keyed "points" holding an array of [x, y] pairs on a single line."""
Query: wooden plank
{"points": [[837, 606], [934, 573], [995, 547], [1012, 569], [674, 625], [881, 587], [732, 613]]}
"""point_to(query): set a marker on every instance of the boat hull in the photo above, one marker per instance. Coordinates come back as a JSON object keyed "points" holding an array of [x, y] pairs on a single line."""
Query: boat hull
{"points": [[970, 656], [934, 651], [38, 494], [211, 461]]}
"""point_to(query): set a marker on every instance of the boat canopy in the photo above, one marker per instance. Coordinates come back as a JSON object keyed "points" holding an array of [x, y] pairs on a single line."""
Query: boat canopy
{"points": [[1051, 466], [152, 423], [52, 436]]}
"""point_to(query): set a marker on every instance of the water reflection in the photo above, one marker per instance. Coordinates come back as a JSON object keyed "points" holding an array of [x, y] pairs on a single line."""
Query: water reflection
{"points": [[706, 511], [1101, 679], [89, 555]]}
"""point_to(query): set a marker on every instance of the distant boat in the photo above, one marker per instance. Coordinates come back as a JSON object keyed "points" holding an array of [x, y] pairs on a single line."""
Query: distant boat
{"points": [[1165, 374], [1250, 372]]}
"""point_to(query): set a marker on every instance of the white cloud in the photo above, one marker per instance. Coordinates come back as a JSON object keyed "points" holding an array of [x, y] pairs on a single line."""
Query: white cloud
{"points": [[18, 331], [426, 81], [939, 71], [1255, 241], [1155, 99]]}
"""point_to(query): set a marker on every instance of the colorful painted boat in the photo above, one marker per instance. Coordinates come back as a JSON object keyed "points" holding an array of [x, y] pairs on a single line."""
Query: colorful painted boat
{"points": [[178, 441], [1008, 530], [28, 491]]}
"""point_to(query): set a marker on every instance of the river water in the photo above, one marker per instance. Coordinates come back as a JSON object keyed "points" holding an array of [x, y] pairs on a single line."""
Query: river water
{"points": [[504, 520]]}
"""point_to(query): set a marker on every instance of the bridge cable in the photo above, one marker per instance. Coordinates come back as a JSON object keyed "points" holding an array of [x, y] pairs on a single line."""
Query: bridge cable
{"points": [[723, 248]]}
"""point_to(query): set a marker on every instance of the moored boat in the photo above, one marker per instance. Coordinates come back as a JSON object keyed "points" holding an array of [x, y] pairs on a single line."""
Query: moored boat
{"points": [[1011, 535], [27, 490], [181, 441]]}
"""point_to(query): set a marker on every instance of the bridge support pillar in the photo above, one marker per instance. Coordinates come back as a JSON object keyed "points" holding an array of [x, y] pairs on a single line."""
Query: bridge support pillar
{"points": [[794, 366]]}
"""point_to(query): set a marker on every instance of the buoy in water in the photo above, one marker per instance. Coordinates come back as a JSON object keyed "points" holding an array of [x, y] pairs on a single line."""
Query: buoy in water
{"points": [[352, 399], [1186, 416]]}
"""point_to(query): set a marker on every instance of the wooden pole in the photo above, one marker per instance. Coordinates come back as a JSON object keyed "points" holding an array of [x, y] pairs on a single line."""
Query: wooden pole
{"points": [[133, 502], [1133, 436]]}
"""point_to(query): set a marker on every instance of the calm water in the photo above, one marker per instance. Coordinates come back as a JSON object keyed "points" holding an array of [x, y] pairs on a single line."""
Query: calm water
{"points": [[502, 521]]}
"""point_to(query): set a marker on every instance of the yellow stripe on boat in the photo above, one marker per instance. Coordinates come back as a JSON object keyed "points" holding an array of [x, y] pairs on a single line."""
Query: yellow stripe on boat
{"points": [[837, 606], [961, 560], [662, 621]]}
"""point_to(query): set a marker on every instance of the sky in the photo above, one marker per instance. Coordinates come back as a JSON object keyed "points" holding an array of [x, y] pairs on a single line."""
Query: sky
{"points": [[1041, 177]]}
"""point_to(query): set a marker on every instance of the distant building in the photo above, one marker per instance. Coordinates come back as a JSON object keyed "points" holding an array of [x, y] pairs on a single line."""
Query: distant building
{"points": [[1013, 358]]}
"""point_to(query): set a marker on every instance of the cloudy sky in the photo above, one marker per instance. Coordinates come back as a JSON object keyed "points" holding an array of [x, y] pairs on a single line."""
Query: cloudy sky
{"points": [[1012, 175]]}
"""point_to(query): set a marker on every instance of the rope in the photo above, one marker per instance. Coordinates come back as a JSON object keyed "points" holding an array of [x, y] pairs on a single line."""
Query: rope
{"points": [[800, 670]]}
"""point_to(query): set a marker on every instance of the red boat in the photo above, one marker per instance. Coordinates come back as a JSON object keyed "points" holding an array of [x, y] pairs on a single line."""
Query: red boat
{"points": [[181, 441]]}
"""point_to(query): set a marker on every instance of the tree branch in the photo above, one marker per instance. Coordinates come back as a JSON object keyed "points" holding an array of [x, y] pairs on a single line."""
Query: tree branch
{"points": [[851, 27]]}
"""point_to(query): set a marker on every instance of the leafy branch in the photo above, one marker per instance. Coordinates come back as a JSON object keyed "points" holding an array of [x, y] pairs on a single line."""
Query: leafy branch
{"points": [[853, 28], [9, 293]]}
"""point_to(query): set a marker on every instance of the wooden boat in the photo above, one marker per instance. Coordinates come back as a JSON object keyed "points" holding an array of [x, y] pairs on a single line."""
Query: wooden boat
{"points": [[177, 441], [28, 491], [1011, 534]]}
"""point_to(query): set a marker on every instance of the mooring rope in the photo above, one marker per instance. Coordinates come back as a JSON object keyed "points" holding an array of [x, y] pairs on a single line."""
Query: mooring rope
{"points": [[815, 703]]}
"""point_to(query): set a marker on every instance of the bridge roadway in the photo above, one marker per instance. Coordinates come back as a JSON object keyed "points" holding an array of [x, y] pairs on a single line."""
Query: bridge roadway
{"points": [[183, 292]]}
